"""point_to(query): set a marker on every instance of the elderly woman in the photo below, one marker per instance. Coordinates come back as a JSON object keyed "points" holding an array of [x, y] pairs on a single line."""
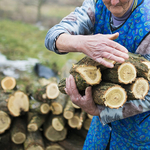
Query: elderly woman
{"points": [[108, 29]]}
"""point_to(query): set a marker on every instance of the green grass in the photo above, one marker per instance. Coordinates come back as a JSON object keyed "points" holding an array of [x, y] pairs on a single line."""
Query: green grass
{"points": [[19, 41]]}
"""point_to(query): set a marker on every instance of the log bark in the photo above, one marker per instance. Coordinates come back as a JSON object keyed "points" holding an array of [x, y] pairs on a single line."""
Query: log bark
{"points": [[82, 118], [5, 121], [69, 110], [142, 65], [51, 134], [84, 76], [38, 107], [18, 103], [57, 106], [74, 122], [124, 73], [34, 141], [109, 94], [36, 121], [138, 89], [58, 122], [18, 130]]}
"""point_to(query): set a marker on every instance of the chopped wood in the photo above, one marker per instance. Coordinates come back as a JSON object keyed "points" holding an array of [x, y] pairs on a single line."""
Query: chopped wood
{"points": [[109, 94], [35, 122], [75, 106], [18, 130], [82, 118], [38, 107], [58, 122], [18, 103], [5, 121], [89, 116], [69, 110], [124, 73], [8, 83], [137, 90], [34, 141], [58, 105], [74, 122]]}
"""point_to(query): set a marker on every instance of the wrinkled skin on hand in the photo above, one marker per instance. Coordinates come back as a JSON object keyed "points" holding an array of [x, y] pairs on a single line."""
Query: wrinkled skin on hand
{"points": [[101, 46], [84, 102]]}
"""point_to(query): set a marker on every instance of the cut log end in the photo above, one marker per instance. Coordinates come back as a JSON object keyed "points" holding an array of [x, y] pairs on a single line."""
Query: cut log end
{"points": [[68, 114], [32, 127], [52, 91], [140, 88], [8, 83], [56, 108], [57, 125], [90, 74], [54, 147], [115, 97], [5, 122], [127, 73], [74, 122], [19, 138], [45, 108], [75, 106], [18, 103]]}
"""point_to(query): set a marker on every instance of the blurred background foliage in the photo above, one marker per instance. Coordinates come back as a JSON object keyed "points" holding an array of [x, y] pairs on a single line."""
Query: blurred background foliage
{"points": [[23, 27]]}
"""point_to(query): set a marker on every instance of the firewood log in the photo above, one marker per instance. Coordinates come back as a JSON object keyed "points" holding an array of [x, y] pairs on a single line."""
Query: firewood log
{"points": [[82, 118], [124, 73], [75, 106], [109, 94], [69, 110], [18, 103], [18, 130], [58, 122], [57, 106], [84, 76], [89, 116], [34, 141], [35, 121], [51, 134], [8, 83], [5, 121], [138, 89], [142, 65], [38, 107], [74, 122]]}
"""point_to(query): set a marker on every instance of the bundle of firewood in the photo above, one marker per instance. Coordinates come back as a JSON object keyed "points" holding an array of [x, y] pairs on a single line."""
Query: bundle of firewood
{"points": [[112, 87], [39, 117]]}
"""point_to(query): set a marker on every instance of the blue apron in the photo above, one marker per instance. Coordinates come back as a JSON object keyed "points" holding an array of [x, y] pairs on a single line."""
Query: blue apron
{"points": [[132, 133]]}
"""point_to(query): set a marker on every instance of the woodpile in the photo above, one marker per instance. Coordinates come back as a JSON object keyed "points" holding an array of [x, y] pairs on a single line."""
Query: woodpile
{"points": [[112, 87], [39, 117]]}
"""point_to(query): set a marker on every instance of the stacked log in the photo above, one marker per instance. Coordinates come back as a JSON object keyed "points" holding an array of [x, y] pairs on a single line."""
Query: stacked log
{"points": [[37, 116]]}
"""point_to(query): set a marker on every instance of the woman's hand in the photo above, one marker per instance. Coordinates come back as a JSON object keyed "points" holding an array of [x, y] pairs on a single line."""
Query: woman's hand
{"points": [[84, 102], [101, 46]]}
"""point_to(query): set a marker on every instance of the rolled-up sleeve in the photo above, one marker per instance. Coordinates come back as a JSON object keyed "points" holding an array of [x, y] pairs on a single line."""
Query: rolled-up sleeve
{"points": [[81, 21]]}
